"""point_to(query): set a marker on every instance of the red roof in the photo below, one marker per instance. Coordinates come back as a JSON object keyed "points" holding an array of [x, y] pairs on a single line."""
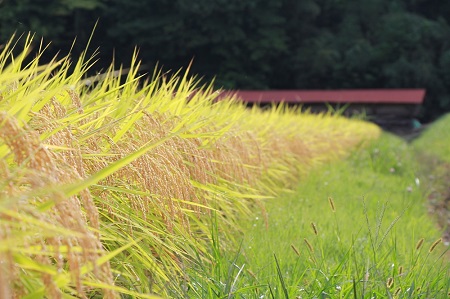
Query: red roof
{"points": [[363, 96]]}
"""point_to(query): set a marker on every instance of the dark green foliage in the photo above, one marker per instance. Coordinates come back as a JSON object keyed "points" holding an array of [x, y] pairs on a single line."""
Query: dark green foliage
{"points": [[261, 44], [239, 40], [58, 21]]}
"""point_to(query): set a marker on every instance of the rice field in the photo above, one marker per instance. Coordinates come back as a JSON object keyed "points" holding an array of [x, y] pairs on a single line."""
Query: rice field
{"points": [[119, 188]]}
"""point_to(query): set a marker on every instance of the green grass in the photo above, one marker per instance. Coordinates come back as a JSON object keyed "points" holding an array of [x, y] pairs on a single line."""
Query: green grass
{"points": [[352, 229], [432, 148], [435, 139]]}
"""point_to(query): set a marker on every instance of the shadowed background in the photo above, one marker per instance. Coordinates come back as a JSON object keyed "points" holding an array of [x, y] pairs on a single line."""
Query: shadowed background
{"points": [[259, 44]]}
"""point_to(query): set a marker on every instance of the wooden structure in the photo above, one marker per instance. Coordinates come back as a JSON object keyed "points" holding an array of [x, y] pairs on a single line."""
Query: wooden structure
{"points": [[390, 108]]}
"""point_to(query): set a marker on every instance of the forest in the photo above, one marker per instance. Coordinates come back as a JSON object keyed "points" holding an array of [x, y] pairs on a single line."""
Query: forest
{"points": [[256, 44]]}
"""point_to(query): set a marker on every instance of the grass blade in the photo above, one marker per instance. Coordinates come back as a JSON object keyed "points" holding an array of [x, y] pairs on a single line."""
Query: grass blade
{"points": [[280, 276]]}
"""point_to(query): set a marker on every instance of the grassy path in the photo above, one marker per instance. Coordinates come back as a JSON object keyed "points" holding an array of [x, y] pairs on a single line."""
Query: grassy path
{"points": [[353, 229], [433, 151]]}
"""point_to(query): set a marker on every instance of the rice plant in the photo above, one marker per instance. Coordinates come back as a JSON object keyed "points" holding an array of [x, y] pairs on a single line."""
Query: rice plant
{"points": [[109, 183]]}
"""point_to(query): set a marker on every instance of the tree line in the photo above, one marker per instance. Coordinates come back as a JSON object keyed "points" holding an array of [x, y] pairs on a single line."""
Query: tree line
{"points": [[259, 44]]}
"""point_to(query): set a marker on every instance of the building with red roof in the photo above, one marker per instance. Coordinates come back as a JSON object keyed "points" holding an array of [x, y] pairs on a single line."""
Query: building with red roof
{"points": [[390, 108]]}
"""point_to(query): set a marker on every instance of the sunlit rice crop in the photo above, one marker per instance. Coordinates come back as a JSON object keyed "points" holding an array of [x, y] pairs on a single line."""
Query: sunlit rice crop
{"points": [[108, 186]]}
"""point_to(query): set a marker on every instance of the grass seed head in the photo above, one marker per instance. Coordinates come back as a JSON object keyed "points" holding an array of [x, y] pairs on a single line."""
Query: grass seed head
{"points": [[435, 243], [331, 202], [419, 243], [390, 282], [295, 249], [310, 247], [314, 228]]}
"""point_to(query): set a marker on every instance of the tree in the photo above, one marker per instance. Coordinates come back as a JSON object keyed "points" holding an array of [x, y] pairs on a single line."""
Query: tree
{"points": [[225, 38], [58, 21]]}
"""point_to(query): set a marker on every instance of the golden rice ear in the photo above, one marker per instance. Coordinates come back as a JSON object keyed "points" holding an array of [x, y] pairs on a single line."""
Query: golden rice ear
{"points": [[43, 171]]}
